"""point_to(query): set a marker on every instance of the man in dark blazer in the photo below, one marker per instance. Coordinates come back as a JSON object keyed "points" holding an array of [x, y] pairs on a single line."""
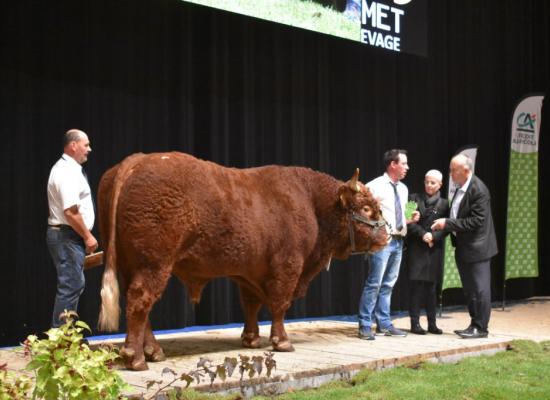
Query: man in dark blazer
{"points": [[473, 235]]}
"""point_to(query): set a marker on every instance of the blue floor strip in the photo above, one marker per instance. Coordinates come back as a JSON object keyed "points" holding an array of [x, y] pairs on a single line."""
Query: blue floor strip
{"points": [[199, 328]]}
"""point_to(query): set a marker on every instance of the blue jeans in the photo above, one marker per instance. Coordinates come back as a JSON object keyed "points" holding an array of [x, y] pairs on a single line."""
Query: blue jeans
{"points": [[68, 251], [376, 298]]}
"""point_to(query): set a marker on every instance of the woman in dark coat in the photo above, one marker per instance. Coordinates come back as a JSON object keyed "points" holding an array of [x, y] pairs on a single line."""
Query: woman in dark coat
{"points": [[425, 252]]}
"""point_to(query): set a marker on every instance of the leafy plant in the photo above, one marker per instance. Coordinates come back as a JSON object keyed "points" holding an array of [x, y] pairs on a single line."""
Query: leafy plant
{"points": [[12, 386], [66, 368], [205, 369]]}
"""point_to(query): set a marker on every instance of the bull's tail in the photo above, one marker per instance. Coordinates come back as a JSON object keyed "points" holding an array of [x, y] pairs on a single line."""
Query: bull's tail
{"points": [[110, 309]]}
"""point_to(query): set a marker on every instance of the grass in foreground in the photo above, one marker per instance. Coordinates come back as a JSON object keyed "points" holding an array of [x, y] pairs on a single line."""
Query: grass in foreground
{"points": [[520, 373]]}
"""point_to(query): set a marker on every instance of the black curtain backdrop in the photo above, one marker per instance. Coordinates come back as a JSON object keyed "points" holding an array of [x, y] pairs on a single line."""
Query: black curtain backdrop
{"points": [[148, 76]]}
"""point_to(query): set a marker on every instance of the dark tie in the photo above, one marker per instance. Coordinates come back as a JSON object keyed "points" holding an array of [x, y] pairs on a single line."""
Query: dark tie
{"points": [[398, 211]]}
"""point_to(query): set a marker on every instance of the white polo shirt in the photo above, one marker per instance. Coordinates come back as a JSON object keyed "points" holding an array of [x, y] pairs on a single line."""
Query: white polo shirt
{"points": [[382, 189], [68, 187]]}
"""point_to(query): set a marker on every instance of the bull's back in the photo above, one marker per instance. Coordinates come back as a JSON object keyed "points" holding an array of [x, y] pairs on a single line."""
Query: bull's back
{"points": [[175, 205]]}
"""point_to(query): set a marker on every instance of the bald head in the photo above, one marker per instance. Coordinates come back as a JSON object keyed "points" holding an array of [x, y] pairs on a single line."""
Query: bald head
{"points": [[461, 169]]}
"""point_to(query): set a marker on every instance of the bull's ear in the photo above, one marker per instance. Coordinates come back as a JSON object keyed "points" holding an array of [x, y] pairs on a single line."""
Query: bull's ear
{"points": [[345, 195], [353, 182], [342, 197]]}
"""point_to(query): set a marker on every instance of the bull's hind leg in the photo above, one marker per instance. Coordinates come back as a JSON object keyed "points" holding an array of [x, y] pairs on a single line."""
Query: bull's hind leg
{"points": [[251, 306], [143, 292]]}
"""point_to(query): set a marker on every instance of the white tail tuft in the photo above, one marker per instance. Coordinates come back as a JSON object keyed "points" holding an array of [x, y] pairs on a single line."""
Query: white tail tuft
{"points": [[110, 309]]}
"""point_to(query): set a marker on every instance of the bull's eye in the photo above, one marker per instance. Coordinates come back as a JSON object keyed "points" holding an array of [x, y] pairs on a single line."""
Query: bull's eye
{"points": [[367, 210]]}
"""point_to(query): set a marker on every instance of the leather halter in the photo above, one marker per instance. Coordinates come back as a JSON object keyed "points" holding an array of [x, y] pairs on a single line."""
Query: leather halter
{"points": [[352, 216]]}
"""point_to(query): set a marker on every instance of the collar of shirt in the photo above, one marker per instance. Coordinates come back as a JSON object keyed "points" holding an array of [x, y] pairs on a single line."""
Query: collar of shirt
{"points": [[388, 179], [71, 160], [466, 184], [382, 190]]}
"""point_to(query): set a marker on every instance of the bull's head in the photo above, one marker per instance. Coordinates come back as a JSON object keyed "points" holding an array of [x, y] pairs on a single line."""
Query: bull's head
{"points": [[367, 228]]}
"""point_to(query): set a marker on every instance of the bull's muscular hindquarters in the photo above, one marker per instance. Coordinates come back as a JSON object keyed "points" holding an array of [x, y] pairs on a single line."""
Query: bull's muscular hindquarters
{"points": [[269, 229]]}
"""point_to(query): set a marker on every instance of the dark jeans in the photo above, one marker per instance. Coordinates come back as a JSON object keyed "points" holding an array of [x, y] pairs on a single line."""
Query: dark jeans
{"points": [[68, 251], [476, 282], [422, 292]]}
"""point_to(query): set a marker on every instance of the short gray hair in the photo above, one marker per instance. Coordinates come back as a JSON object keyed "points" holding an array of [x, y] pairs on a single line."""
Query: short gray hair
{"points": [[465, 160], [72, 135]]}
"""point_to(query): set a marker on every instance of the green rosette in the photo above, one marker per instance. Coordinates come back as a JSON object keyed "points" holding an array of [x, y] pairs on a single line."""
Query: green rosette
{"points": [[410, 207]]}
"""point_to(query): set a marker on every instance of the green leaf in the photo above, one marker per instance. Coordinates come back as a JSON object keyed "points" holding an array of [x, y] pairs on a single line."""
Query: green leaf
{"points": [[83, 324]]}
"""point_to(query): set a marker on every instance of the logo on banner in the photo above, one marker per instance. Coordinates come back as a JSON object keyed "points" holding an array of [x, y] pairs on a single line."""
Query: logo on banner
{"points": [[526, 122], [525, 134]]}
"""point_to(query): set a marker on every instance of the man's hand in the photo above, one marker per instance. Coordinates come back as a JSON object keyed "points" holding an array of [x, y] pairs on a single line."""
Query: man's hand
{"points": [[415, 217], [428, 239], [91, 244], [439, 224], [74, 218]]}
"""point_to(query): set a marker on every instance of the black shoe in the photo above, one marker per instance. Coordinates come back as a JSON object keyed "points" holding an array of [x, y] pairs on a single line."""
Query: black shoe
{"points": [[434, 329], [417, 329], [459, 331], [366, 334], [474, 333]]}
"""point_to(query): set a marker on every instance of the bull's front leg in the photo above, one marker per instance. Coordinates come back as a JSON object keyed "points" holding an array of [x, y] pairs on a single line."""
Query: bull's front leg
{"points": [[251, 306], [280, 290], [279, 338]]}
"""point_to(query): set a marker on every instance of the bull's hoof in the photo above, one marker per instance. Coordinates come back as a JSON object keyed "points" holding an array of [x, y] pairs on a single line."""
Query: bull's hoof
{"points": [[250, 340], [281, 345], [137, 365], [153, 355], [128, 355]]}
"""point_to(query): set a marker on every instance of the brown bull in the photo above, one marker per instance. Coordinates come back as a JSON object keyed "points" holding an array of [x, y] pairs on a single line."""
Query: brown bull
{"points": [[269, 229]]}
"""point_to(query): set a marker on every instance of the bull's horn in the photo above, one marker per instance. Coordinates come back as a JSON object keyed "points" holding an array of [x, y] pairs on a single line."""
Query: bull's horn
{"points": [[352, 183]]}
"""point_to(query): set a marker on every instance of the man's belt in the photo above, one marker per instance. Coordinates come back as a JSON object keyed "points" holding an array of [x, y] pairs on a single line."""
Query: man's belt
{"points": [[60, 226]]}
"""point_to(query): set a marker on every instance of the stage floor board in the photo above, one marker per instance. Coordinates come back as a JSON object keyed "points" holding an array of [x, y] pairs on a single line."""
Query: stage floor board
{"points": [[330, 349]]}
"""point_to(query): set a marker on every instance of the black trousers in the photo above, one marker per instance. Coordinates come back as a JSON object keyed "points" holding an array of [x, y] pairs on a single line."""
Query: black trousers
{"points": [[476, 282], [422, 292]]}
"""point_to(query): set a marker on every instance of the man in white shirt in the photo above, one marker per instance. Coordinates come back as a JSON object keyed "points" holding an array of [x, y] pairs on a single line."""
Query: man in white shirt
{"points": [[384, 264], [69, 237]]}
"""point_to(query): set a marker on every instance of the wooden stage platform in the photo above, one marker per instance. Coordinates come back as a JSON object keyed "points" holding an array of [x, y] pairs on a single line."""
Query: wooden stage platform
{"points": [[330, 349]]}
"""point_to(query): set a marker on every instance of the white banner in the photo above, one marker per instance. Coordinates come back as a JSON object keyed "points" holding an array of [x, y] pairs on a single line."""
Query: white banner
{"points": [[522, 217]]}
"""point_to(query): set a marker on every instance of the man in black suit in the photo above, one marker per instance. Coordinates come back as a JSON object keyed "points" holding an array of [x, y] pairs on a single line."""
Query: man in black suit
{"points": [[473, 235]]}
